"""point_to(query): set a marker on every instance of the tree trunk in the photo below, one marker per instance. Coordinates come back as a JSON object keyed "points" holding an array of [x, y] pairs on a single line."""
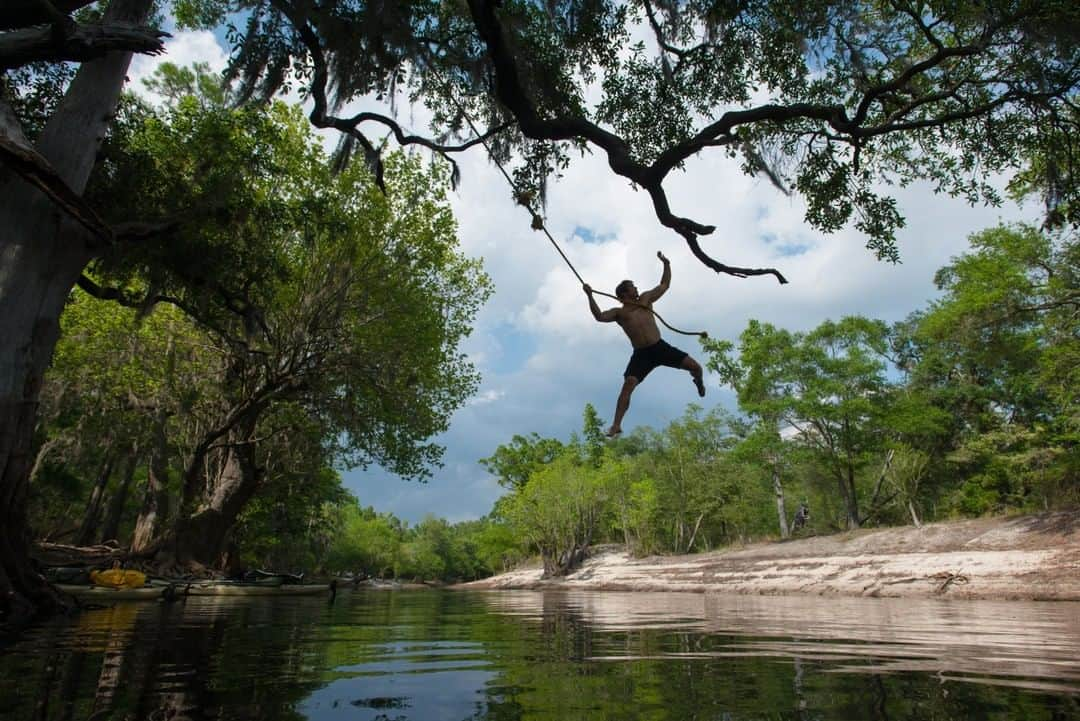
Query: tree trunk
{"points": [[778, 491], [885, 466], [39, 264], [110, 529], [92, 514], [914, 515], [42, 254], [42, 454], [693, 536], [203, 537], [851, 503], [155, 503]]}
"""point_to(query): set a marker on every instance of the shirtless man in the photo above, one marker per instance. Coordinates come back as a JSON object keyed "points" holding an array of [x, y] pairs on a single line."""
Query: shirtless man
{"points": [[650, 350]]}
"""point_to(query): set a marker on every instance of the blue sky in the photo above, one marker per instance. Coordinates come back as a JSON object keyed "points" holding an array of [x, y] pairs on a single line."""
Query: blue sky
{"points": [[541, 354]]}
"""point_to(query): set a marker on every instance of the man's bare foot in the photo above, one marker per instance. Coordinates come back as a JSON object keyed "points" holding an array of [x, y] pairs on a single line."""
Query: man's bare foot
{"points": [[700, 386], [614, 432]]}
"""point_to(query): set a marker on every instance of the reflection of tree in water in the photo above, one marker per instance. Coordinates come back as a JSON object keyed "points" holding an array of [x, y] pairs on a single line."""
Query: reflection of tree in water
{"points": [[556, 661], [60, 692], [60, 678], [564, 633], [547, 658], [124, 643], [797, 687], [220, 665], [162, 663], [541, 666], [175, 671]]}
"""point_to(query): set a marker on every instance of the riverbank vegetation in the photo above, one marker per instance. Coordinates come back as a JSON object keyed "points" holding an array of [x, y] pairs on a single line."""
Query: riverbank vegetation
{"points": [[199, 402], [968, 406], [210, 377]]}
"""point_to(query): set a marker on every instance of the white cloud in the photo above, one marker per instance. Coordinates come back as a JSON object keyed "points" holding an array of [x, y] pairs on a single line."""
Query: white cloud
{"points": [[184, 48], [486, 396]]}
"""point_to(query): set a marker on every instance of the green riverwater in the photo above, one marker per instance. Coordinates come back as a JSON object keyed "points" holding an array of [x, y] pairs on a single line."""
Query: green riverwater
{"points": [[454, 655]]}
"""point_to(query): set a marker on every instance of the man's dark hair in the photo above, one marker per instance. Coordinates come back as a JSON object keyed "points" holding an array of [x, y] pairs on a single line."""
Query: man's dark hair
{"points": [[622, 288]]}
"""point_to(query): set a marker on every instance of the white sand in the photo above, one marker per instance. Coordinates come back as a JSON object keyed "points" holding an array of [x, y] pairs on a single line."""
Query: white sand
{"points": [[1029, 557]]}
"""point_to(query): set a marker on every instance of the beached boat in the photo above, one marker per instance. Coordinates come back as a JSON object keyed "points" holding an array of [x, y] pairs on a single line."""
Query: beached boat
{"points": [[108, 593], [232, 588]]}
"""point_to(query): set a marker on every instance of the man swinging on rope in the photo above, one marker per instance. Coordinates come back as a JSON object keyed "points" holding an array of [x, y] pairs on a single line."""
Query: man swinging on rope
{"points": [[636, 319]]}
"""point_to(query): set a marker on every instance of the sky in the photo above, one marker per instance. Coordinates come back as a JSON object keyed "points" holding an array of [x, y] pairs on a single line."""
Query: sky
{"points": [[541, 354]]}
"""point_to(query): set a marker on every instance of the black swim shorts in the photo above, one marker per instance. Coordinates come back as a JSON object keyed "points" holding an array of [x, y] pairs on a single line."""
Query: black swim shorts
{"points": [[645, 359]]}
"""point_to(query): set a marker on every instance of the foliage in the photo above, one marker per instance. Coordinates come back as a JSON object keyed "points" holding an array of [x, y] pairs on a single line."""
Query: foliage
{"points": [[828, 99], [321, 317], [1051, 169], [828, 387], [997, 352], [113, 371], [379, 545], [292, 522], [365, 542], [692, 485], [560, 511], [515, 462]]}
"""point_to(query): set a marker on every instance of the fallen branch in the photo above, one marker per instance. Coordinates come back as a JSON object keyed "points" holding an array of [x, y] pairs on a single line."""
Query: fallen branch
{"points": [[948, 578]]}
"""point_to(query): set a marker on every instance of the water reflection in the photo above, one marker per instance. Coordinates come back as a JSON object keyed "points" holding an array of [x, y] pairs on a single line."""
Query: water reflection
{"points": [[1034, 645], [504, 656]]}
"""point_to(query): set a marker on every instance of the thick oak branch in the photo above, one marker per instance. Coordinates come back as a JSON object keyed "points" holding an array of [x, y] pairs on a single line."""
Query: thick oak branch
{"points": [[26, 13], [321, 118], [17, 154], [509, 91], [79, 43]]}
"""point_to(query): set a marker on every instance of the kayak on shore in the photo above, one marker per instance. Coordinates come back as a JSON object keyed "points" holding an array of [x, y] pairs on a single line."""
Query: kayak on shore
{"points": [[241, 588], [159, 589], [110, 593]]}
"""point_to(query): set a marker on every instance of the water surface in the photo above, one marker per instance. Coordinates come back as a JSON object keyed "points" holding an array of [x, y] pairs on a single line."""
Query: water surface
{"points": [[502, 656]]}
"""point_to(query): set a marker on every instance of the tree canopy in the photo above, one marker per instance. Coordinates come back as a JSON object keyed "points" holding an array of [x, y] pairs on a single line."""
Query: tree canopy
{"points": [[833, 101], [314, 324], [829, 99]]}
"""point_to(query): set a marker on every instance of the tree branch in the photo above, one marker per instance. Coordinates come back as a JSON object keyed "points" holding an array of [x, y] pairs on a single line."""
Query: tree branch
{"points": [[345, 124], [321, 118], [147, 302], [941, 55], [509, 91], [17, 153], [916, 17], [248, 441], [27, 13], [76, 43], [126, 299], [682, 54]]}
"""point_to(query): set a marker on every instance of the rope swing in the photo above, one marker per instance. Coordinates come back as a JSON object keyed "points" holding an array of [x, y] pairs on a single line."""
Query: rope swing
{"points": [[538, 224]]}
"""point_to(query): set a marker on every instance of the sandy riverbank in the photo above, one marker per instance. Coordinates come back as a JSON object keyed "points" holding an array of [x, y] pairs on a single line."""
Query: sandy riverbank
{"points": [[1026, 557]]}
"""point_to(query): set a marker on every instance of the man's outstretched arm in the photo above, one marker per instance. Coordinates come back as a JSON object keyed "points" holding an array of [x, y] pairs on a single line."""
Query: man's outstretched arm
{"points": [[605, 316], [665, 281]]}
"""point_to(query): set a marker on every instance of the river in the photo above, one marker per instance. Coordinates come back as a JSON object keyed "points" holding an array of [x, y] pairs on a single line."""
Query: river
{"points": [[506, 655]]}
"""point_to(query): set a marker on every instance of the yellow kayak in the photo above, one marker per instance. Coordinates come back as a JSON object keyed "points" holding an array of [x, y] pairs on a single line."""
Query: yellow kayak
{"points": [[110, 593], [118, 578]]}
